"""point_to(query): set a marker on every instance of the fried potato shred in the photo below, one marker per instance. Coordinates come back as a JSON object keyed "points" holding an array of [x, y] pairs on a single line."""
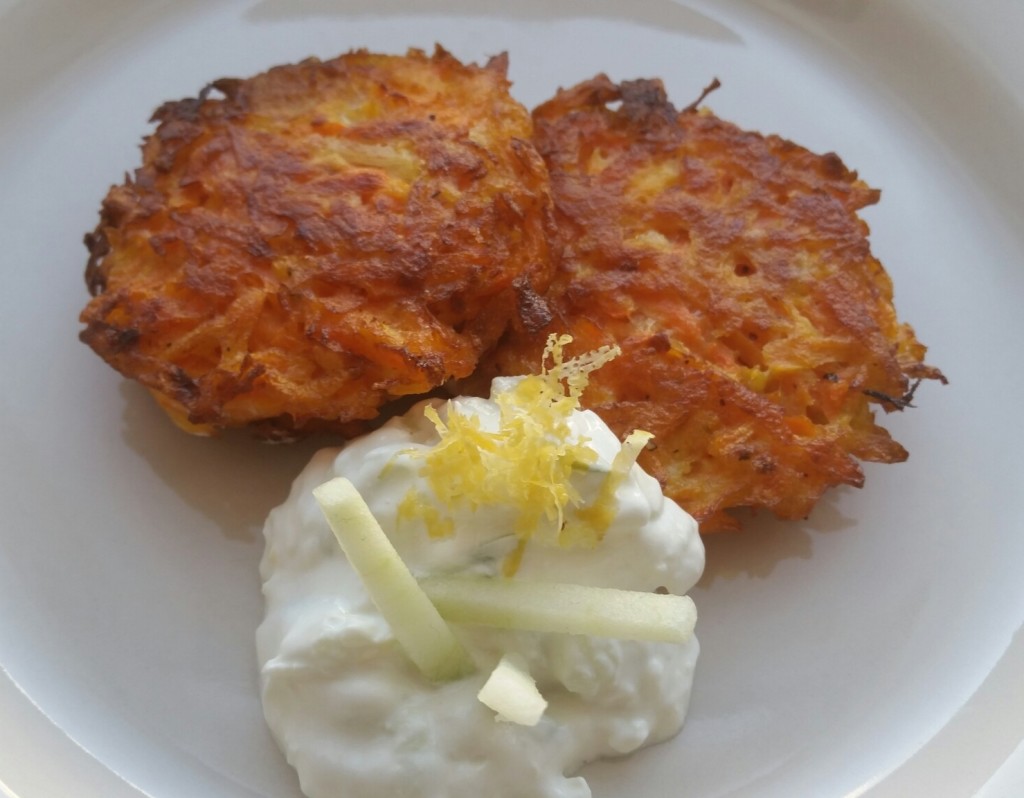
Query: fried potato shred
{"points": [[303, 247], [757, 330], [313, 247]]}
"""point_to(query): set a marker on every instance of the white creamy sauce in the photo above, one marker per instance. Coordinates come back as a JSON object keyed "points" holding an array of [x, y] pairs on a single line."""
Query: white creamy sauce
{"points": [[354, 716]]}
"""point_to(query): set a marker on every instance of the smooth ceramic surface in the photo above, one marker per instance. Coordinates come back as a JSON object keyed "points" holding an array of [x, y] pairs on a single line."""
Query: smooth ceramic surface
{"points": [[874, 649]]}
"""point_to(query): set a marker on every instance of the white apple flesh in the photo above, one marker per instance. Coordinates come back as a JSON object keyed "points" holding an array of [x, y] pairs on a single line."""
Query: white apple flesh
{"points": [[568, 609], [415, 622]]}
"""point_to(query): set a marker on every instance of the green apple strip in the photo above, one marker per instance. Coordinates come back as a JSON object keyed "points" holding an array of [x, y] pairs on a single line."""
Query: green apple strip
{"points": [[569, 609], [416, 624], [512, 693]]}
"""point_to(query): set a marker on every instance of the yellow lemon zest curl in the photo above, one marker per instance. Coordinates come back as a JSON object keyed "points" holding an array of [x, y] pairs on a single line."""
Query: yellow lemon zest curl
{"points": [[528, 463]]}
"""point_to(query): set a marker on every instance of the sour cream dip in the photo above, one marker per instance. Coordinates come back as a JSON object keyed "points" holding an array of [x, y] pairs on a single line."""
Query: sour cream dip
{"points": [[354, 716]]}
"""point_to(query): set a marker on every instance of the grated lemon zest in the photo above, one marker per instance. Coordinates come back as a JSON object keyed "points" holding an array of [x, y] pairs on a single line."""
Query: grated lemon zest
{"points": [[528, 462]]}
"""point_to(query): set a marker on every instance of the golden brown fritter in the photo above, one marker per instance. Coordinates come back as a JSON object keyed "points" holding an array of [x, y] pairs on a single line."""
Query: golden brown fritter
{"points": [[304, 246], [731, 268]]}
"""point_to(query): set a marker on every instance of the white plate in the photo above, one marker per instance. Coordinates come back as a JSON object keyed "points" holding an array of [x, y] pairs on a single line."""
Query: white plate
{"points": [[876, 648]]}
